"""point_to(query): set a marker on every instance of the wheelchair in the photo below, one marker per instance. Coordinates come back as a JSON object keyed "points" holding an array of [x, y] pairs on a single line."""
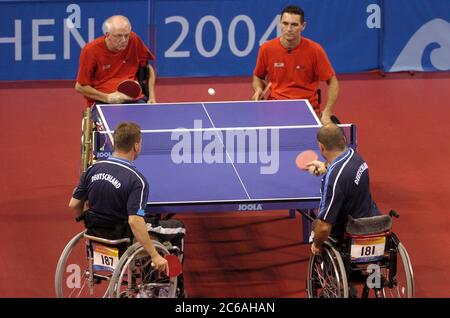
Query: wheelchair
{"points": [[91, 266], [371, 255]]}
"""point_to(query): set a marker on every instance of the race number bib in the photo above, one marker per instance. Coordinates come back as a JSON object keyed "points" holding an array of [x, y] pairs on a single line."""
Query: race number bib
{"points": [[105, 258], [367, 249]]}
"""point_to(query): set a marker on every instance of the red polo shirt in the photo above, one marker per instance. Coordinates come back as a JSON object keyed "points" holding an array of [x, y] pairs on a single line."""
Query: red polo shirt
{"points": [[295, 73], [105, 70]]}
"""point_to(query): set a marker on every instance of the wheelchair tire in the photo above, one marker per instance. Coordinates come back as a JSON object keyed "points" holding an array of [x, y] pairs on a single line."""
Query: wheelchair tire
{"points": [[404, 279], [145, 281], [327, 277], [73, 277]]}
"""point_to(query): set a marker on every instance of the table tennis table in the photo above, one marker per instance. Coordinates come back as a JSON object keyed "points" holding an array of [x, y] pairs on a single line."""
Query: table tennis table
{"points": [[229, 183]]}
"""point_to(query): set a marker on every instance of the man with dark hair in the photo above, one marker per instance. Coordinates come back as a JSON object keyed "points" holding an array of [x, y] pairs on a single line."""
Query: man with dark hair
{"points": [[293, 66], [118, 194], [345, 186]]}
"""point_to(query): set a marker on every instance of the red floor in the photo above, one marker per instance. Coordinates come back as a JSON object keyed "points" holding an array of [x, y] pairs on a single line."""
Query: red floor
{"points": [[403, 133]]}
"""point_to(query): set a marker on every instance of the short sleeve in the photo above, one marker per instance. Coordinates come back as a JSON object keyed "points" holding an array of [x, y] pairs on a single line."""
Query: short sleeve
{"points": [[86, 67], [137, 199], [324, 68], [260, 67], [81, 190], [332, 201]]}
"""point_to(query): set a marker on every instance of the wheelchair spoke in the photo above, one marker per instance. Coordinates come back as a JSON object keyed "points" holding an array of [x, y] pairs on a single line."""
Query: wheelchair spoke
{"points": [[132, 277], [320, 276], [324, 275], [387, 270], [81, 289], [403, 281], [135, 277]]}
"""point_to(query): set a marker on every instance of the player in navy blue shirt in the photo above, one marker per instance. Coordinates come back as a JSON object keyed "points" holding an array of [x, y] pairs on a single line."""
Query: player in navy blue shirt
{"points": [[345, 186], [116, 193], [113, 187]]}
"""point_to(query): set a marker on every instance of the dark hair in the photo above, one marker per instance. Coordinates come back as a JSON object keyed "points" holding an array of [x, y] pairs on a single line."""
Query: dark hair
{"points": [[294, 10], [331, 137], [126, 135]]}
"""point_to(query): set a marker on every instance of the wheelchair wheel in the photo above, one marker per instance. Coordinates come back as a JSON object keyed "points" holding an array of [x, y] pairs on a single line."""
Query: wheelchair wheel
{"points": [[400, 285], [73, 278], [327, 277], [135, 277]]}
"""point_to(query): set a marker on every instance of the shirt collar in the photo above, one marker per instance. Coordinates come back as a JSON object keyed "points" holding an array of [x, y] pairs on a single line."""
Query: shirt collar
{"points": [[342, 155], [128, 162]]}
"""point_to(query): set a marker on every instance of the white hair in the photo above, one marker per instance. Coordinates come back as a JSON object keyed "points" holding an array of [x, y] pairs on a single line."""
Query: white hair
{"points": [[109, 23]]}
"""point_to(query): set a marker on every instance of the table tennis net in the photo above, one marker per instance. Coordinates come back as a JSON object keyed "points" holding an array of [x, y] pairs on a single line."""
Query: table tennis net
{"points": [[242, 139]]}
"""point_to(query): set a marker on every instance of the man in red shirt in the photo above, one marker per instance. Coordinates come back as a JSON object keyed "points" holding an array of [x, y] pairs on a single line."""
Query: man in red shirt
{"points": [[111, 59], [294, 65]]}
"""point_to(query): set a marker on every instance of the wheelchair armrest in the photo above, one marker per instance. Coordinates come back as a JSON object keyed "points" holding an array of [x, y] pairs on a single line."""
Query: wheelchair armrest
{"points": [[106, 241], [393, 213], [143, 76], [81, 217]]}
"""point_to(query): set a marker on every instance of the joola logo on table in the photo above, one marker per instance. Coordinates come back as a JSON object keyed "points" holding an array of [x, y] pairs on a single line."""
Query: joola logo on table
{"points": [[103, 154], [250, 207]]}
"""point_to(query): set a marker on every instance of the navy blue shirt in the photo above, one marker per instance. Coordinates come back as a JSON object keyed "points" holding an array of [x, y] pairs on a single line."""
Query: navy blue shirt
{"points": [[114, 189], [346, 191]]}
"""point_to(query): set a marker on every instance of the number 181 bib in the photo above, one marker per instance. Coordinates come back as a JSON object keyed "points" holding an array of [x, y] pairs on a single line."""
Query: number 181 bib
{"points": [[367, 249]]}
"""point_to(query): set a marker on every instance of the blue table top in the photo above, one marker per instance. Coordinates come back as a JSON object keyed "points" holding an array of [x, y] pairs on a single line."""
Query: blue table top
{"points": [[219, 114], [264, 173]]}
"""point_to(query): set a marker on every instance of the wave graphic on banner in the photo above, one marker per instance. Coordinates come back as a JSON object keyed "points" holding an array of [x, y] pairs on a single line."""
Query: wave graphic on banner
{"points": [[429, 47]]}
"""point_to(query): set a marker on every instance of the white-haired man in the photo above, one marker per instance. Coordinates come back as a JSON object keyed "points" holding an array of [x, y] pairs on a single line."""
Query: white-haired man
{"points": [[111, 59]]}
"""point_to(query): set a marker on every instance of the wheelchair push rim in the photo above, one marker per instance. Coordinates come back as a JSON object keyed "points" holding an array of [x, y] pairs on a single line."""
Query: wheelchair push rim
{"points": [[145, 282], [326, 275]]}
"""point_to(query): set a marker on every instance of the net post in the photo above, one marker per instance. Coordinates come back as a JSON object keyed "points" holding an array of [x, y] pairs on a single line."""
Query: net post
{"points": [[86, 142]]}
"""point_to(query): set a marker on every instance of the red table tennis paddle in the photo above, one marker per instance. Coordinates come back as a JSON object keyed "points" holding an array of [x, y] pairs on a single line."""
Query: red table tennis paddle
{"points": [[130, 88], [304, 158], [174, 263]]}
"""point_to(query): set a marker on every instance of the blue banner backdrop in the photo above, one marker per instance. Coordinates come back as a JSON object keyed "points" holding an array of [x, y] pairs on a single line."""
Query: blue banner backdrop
{"points": [[43, 39], [221, 38], [416, 35]]}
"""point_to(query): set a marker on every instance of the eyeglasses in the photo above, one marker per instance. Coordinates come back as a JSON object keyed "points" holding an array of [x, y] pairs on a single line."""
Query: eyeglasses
{"points": [[118, 36]]}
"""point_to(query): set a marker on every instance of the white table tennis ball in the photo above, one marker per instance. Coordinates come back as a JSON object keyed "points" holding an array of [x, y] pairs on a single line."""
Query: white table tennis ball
{"points": [[211, 91]]}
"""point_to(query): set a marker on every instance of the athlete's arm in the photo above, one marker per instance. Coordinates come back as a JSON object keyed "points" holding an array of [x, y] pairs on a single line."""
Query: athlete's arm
{"points": [[77, 206], [112, 98], [332, 95], [258, 87], [151, 85], [321, 231], [137, 224], [91, 92]]}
